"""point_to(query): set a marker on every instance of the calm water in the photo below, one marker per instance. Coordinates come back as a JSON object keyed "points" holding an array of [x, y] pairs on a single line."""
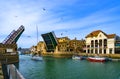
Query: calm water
{"points": [[53, 68]]}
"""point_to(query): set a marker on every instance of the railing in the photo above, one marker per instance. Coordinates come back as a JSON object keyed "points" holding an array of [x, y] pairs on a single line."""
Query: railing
{"points": [[8, 37], [14, 36], [13, 73]]}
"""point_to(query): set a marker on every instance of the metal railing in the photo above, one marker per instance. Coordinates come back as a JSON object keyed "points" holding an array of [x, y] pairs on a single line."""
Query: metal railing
{"points": [[13, 73]]}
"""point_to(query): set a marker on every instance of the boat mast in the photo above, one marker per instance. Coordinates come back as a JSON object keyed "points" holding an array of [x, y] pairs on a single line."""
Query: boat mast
{"points": [[37, 32]]}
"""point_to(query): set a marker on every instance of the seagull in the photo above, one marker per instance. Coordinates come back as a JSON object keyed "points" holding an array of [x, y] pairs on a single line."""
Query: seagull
{"points": [[44, 9], [61, 34], [28, 36], [15, 16]]}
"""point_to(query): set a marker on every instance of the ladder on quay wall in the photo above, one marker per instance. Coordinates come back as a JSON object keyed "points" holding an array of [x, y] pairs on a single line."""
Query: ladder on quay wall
{"points": [[14, 36]]}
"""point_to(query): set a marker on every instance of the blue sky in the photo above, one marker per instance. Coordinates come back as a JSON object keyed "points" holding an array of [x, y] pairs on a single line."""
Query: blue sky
{"points": [[72, 18]]}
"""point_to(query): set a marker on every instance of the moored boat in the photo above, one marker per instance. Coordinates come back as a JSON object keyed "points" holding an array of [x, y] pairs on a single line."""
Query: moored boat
{"points": [[96, 59], [37, 58], [76, 57], [79, 57]]}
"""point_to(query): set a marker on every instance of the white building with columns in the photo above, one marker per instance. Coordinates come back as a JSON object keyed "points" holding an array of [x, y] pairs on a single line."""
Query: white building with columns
{"points": [[98, 42]]}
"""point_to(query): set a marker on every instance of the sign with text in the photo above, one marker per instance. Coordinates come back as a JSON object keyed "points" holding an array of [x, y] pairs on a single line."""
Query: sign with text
{"points": [[9, 50]]}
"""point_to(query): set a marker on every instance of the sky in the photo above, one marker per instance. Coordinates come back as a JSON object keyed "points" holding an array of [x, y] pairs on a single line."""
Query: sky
{"points": [[72, 18]]}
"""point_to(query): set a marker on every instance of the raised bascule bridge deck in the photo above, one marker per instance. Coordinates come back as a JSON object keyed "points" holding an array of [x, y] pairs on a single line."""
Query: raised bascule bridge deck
{"points": [[50, 41], [8, 51], [8, 48]]}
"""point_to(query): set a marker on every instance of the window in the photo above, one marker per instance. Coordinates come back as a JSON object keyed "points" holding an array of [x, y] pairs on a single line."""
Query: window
{"points": [[104, 51], [91, 50], [96, 43], [92, 43], [88, 45], [96, 51], [100, 51], [105, 42], [110, 50]]}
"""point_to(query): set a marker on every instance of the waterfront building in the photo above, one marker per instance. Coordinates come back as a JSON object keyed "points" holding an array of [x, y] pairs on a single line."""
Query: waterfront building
{"points": [[98, 42], [63, 39], [63, 44], [24, 50], [40, 47], [67, 45], [33, 49], [77, 46]]}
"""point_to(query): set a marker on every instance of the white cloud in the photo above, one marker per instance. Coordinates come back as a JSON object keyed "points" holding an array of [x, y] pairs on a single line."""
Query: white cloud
{"points": [[31, 14]]}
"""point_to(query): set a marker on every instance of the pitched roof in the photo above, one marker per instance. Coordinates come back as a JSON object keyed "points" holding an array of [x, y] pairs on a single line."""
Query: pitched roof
{"points": [[111, 35], [95, 34]]}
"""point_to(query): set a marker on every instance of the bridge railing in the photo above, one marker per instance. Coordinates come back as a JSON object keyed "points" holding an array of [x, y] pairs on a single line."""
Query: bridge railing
{"points": [[13, 73]]}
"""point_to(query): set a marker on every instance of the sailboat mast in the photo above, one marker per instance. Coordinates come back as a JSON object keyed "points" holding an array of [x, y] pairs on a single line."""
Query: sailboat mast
{"points": [[37, 32]]}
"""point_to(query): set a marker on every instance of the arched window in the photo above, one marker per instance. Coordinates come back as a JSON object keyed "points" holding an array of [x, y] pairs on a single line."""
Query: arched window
{"points": [[92, 43], [105, 42], [96, 43]]}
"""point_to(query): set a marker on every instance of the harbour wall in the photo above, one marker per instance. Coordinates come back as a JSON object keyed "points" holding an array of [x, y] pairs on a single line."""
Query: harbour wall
{"points": [[115, 56], [58, 54]]}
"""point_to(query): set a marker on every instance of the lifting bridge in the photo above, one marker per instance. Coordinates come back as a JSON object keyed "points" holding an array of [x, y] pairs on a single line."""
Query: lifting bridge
{"points": [[9, 54], [50, 41], [13, 37], [8, 48]]}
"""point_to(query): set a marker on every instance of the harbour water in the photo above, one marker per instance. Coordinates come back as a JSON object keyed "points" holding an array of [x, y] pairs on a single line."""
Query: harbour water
{"points": [[66, 68]]}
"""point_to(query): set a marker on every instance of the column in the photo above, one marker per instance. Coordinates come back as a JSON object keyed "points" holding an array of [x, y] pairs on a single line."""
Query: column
{"points": [[86, 49], [98, 47], [102, 46], [94, 47], [113, 51], [90, 48]]}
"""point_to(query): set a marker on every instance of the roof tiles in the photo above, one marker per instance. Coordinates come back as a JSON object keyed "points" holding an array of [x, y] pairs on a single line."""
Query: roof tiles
{"points": [[95, 34]]}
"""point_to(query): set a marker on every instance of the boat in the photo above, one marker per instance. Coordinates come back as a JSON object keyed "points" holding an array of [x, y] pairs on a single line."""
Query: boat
{"points": [[79, 57], [37, 58], [96, 59], [76, 57]]}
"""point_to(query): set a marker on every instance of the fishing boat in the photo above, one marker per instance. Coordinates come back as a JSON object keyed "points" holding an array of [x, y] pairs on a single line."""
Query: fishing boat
{"points": [[96, 59]]}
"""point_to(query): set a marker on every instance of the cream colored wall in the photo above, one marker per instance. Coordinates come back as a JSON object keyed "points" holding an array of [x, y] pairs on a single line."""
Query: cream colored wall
{"points": [[110, 42], [101, 36], [88, 40]]}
